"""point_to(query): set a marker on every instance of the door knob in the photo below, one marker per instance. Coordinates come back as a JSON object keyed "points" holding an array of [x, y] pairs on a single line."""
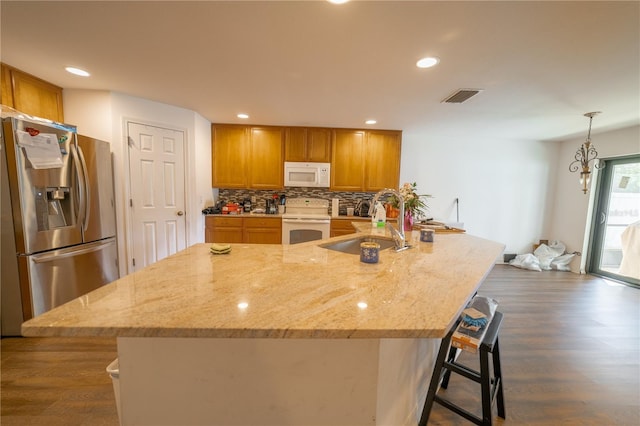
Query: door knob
{"points": [[180, 213]]}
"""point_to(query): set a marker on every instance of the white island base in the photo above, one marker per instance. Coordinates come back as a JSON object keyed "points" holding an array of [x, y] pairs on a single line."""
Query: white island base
{"points": [[245, 381]]}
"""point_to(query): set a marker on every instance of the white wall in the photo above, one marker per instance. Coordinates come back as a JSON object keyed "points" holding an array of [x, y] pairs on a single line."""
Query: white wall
{"points": [[502, 185], [570, 218], [103, 115], [203, 195], [513, 192], [90, 111]]}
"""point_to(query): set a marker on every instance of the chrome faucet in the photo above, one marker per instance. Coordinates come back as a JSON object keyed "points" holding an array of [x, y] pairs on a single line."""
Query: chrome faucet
{"points": [[397, 234]]}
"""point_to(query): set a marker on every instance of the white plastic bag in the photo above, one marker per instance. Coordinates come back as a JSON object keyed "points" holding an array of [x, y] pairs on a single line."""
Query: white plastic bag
{"points": [[561, 263], [526, 261], [558, 247], [547, 253]]}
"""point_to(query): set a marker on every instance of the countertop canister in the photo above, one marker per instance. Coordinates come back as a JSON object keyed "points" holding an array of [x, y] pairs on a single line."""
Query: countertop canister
{"points": [[369, 252]]}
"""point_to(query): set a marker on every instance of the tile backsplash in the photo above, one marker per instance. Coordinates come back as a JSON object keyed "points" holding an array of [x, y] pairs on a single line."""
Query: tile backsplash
{"points": [[347, 199]]}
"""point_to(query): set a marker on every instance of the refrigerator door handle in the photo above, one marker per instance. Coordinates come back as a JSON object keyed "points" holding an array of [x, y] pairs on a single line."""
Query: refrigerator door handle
{"points": [[70, 252], [82, 193], [85, 173]]}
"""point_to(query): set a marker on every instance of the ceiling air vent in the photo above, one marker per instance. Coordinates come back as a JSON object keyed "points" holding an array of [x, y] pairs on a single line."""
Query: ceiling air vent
{"points": [[461, 95]]}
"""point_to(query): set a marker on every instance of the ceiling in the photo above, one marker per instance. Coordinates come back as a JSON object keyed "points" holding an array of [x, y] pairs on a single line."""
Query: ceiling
{"points": [[540, 65]]}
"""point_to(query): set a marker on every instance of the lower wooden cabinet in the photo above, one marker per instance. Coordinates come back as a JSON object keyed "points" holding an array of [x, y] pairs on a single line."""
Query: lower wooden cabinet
{"points": [[237, 229], [222, 229], [344, 226], [262, 230]]}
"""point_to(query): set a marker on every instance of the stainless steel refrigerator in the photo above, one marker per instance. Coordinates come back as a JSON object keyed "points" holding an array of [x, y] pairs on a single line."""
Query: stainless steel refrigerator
{"points": [[58, 218]]}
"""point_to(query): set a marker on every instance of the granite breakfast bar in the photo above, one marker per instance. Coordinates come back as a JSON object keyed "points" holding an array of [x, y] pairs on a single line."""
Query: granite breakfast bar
{"points": [[280, 334]]}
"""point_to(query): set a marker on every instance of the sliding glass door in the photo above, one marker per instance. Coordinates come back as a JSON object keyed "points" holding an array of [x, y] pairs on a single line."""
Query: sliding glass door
{"points": [[615, 244]]}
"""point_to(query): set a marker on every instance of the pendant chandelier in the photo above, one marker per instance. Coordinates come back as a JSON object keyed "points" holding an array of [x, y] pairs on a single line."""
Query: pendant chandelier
{"points": [[584, 156]]}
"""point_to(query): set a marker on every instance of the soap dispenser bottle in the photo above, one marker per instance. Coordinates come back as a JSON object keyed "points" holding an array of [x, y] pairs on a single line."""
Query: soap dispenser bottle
{"points": [[379, 218]]}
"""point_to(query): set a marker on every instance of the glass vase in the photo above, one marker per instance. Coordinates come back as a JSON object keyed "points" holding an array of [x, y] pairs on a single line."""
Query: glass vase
{"points": [[408, 221]]}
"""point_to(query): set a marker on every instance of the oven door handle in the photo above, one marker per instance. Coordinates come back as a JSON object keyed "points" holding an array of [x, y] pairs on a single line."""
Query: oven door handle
{"points": [[314, 221]]}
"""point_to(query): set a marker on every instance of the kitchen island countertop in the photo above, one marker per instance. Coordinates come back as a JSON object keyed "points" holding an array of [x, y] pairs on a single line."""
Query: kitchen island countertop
{"points": [[284, 291], [307, 335]]}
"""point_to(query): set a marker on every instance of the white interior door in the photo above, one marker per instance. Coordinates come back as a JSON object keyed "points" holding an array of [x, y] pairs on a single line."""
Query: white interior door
{"points": [[157, 180]]}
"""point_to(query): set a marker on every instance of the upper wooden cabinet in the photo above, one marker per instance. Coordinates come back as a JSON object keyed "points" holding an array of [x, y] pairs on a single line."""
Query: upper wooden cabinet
{"points": [[365, 160], [382, 160], [311, 144], [31, 95], [254, 156], [266, 164], [247, 156], [229, 155], [347, 160]]}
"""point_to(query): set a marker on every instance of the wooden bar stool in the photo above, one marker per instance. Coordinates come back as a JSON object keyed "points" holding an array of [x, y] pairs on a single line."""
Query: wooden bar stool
{"points": [[491, 387]]}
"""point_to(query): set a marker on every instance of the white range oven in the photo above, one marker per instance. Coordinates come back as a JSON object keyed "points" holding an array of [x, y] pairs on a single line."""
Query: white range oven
{"points": [[305, 219]]}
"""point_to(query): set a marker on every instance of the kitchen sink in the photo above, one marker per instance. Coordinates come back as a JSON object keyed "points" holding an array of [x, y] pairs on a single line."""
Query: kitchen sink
{"points": [[352, 246]]}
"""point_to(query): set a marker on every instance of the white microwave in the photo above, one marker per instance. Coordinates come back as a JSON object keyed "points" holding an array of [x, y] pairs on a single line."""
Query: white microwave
{"points": [[316, 175]]}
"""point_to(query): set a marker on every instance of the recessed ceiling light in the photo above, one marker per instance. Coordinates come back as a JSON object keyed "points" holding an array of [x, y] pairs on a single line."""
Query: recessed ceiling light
{"points": [[243, 115], [427, 62], [370, 122], [337, 1], [77, 71]]}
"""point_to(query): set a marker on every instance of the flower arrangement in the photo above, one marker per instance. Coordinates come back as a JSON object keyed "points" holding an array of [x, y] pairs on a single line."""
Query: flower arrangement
{"points": [[414, 204]]}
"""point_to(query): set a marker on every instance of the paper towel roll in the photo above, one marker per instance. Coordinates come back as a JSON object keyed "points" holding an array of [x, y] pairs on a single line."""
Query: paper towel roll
{"points": [[335, 207]]}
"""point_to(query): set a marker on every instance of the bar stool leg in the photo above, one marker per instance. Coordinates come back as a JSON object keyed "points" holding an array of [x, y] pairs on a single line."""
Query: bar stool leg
{"points": [[485, 384], [497, 373], [435, 379], [450, 358]]}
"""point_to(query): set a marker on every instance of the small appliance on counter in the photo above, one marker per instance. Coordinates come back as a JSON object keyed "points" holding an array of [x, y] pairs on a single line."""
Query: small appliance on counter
{"points": [[271, 206], [246, 205], [216, 209], [362, 208], [231, 208]]}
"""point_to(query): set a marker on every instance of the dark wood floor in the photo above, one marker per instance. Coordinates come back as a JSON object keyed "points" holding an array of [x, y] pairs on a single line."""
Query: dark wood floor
{"points": [[570, 348]]}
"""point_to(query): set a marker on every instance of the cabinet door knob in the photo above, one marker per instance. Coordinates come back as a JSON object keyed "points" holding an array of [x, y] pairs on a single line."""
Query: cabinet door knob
{"points": [[180, 213]]}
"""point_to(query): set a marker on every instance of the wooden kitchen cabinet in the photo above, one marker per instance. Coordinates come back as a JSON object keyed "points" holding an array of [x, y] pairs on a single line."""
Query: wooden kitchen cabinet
{"points": [[344, 226], [247, 156], [239, 229], [230, 144], [382, 160], [262, 230], [209, 228], [365, 160], [31, 95], [347, 160], [266, 157], [312, 144], [253, 156], [223, 229]]}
